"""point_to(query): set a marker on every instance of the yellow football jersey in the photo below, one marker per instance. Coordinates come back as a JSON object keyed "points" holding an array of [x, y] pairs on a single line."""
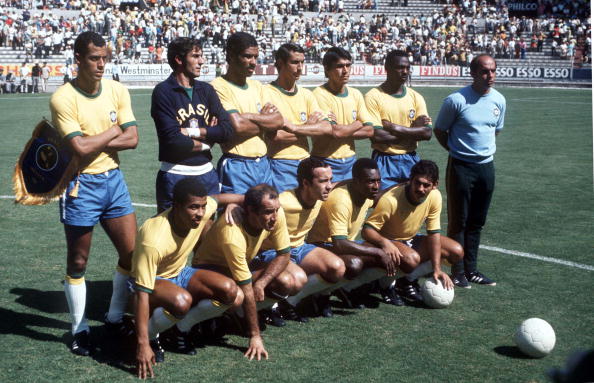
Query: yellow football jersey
{"points": [[347, 107], [402, 110], [339, 217], [299, 219], [242, 99], [159, 252], [395, 218], [296, 107], [76, 113], [233, 248]]}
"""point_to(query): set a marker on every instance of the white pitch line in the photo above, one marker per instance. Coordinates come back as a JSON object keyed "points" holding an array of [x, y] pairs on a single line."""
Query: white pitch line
{"points": [[539, 257], [491, 248]]}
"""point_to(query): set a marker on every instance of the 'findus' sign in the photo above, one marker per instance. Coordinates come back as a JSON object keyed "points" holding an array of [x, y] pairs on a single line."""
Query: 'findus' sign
{"points": [[522, 7]]}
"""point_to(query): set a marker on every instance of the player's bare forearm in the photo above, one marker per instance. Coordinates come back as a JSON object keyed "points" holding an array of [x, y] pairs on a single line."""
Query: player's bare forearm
{"points": [[417, 133], [344, 246], [273, 269], [282, 136], [86, 145], [442, 138], [227, 198], [268, 120], [249, 308], [127, 140], [145, 357], [320, 128], [382, 136], [243, 125], [366, 131]]}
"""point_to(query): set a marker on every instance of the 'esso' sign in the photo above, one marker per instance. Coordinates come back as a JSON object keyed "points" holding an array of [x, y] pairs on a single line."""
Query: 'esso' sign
{"points": [[556, 72]]}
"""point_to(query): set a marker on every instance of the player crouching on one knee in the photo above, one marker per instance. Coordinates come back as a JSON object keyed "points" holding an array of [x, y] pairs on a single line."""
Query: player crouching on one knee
{"points": [[395, 221], [314, 268], [230, 250], [165, 286]]}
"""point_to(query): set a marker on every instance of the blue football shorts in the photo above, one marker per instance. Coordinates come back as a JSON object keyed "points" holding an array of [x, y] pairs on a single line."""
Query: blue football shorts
{"points": [[297, 253], [238, 174], [284, 174], [342, 168], [100, 196], [394, 168]]}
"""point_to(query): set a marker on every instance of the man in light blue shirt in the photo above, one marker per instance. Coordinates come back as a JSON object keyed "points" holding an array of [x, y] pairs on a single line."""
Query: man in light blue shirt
{"points": [[466, 127]]}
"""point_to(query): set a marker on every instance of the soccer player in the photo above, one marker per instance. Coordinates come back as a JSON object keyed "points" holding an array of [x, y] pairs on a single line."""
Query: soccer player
{"points": [[347, 106], [302, 117], [318, 268], [163, 282], [189, 119], [230, 250], [339, 223], [244, 162], [468, 122], [395, 221], [95, 117], [400, 120]]}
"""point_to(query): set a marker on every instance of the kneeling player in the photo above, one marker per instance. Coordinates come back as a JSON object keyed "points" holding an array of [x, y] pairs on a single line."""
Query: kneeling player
{"points": [[164, 282], [230, 249], [395, 221], [318, 268]]}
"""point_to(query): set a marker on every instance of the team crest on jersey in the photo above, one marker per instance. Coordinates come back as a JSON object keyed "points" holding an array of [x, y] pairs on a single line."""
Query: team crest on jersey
{"points": [[258, 107], [411, 114], [354, 114], [496, 112], [194, 123], [113, 116], [303, 116]]}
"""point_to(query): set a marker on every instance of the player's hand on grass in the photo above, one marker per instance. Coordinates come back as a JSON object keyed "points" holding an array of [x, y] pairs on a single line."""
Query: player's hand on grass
{"points": [[446, 281], [422, 120], [233, 214], [258, 292], [256, 349], [145, 360]]}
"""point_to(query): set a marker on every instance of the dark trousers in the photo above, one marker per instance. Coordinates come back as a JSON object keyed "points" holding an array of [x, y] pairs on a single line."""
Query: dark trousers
{"points": [[469, 187]]}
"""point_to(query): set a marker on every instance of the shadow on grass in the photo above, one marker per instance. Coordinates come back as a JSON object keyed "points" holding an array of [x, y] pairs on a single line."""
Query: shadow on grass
{"points": [[511, 352], [17, 323], [54, 302]]}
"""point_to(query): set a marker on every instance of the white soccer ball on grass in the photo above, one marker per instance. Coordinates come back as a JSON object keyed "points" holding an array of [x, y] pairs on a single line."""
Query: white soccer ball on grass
{"points": [[435, 295], [535, 337]]}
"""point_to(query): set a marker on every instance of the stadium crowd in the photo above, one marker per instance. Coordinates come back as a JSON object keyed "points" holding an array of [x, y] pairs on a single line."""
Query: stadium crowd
{"points": [[449, 36]]}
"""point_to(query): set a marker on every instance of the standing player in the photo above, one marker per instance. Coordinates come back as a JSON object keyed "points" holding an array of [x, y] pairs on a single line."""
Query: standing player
{"points": [[230, 249], [400, 121], [302, 118], [340, 221], [318, 268], [395, 221], [95, 117], [244, 163], [347, 106], [466, 127], [189, 119], [163, 282]]}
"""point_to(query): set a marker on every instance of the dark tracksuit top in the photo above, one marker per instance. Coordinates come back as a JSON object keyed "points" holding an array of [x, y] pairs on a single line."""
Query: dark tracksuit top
{"points": [[172, 109]]}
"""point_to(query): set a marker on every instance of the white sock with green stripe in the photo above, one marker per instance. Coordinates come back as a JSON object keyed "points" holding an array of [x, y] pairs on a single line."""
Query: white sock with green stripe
{"points": [[160, 321], [315, 284]]}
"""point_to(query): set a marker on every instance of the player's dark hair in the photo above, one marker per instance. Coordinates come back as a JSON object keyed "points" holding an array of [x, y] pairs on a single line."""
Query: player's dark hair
{"points": [[237, 43], [392, 57], [425, 168], [305, 170], [180, 47], [284, 52], [333, 55], [187, 187], [474, 64], [81, 44], [255, 195], [361, 165]]}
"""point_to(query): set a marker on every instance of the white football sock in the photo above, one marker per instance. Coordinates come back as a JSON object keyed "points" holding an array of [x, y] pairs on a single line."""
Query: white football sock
{"points": [[119, 297], [423, 269], [315, 284], [204, 310], [160, 321], [266, 303], [366, 276], [76, 295]]}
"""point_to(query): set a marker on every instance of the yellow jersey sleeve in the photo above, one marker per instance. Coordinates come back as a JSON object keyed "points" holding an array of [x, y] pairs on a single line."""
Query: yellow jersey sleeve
{"points": [[279, 236], [340, 211], [383, 212], [64, 113], [145, 262], [125, 115], [363, 114], [373, 105], [234, 249], [433, 224]]}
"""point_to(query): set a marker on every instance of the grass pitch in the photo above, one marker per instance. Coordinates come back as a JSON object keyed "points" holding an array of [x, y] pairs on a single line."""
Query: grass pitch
{"points": [[542, 205]]}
